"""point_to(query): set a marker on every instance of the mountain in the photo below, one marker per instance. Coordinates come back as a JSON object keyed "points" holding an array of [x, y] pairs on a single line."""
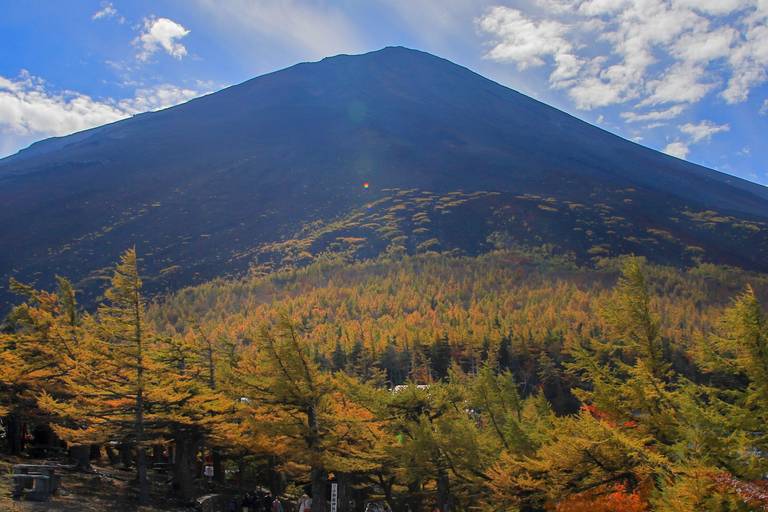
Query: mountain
{"points": [[394, 150]]}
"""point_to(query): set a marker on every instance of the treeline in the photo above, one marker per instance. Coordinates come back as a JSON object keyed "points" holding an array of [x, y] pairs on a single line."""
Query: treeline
{"points": [[413, 318], [527, 383]]}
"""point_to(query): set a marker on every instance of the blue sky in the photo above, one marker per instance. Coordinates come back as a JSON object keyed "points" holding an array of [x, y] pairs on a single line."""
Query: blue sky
{"points": [[687, 77]]}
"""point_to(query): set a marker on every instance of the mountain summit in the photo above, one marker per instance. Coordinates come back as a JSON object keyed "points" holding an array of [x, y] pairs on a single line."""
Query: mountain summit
{"points": [[394, 150]]}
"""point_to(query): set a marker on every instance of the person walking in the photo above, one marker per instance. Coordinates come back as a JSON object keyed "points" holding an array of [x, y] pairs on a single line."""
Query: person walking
{"points": [[305, 503], [276, 505], [247, 503], [256, 502]]}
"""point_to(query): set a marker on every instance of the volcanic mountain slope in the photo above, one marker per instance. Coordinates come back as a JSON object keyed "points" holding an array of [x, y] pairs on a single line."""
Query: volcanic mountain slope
{"points": [[274, 171]]}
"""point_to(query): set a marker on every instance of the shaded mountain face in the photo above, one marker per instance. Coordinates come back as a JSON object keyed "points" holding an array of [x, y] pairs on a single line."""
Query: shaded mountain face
{"points": [[273, 172]]}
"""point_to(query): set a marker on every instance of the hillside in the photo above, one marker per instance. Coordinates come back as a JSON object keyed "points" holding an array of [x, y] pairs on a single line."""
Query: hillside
{"points": [[395, 150], [527, 311]]}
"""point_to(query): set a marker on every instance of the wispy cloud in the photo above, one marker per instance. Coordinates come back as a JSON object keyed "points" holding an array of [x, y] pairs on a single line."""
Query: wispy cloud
{"points": [[695, 134], [311, 29], [655, 115], [159, 97], [703, 131], [107, 11], [764, 108], [160, 33], [606, 52], [437, 23]]}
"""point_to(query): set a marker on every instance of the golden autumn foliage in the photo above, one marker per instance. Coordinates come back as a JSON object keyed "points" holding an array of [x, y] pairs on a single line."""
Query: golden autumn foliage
{"points": [[510, 381]]}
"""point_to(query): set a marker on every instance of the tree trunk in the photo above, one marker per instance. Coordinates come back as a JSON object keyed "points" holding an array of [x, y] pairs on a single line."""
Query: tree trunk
{"points": [[13, 432], [414, 499], [95, 452], [274, 478], [343, 493], [114, 458], [182, 472], [201, 465], [319, 478], [80, 454], [218, 467], [443, 491], [141, 474], [157, 454], [387, 486], [359, 497], [125, 455]]}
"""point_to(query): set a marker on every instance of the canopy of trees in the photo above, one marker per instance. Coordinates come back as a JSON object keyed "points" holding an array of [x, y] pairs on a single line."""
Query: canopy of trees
{"points": [[504, 382]]}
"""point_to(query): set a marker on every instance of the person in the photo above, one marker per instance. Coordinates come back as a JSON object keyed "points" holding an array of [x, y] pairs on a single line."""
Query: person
{"points": [[267, 502], [256, 500], [246, 504], [276, 505], [305, 503]]}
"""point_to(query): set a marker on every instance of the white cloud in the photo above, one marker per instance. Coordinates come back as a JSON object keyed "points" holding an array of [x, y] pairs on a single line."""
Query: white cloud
{"points": [[764, 108], [107, 11], [592, 92], [749, 60], [524, 42], [558, 6], [716, 7], [30, 111], [600, 7], [26, 107], [703, 131], [676, 149], [670, 113], [606, 52], [703, 45], [696, 133], [160, 33], [679, 84]]}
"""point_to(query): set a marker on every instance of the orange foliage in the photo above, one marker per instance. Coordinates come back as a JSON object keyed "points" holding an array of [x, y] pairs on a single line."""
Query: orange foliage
{"points": [[591, 501], [599, 415]]}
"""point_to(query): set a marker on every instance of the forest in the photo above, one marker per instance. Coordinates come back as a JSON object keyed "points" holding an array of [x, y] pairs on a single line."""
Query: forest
{"points": [[516, 380]]}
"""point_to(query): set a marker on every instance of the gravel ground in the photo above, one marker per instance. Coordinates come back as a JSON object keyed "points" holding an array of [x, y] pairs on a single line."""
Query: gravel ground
{"points": [[105, 489]]}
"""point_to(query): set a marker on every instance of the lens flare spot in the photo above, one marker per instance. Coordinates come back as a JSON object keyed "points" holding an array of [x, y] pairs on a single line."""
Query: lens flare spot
{"points": [[365, 185]]}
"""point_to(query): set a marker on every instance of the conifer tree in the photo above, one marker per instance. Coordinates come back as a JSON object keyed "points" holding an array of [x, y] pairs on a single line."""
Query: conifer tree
{"points": [[737, 360], [189, 411], [289, 395], [114, 386], [40, 346], [631, 381], [438, 442]]}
